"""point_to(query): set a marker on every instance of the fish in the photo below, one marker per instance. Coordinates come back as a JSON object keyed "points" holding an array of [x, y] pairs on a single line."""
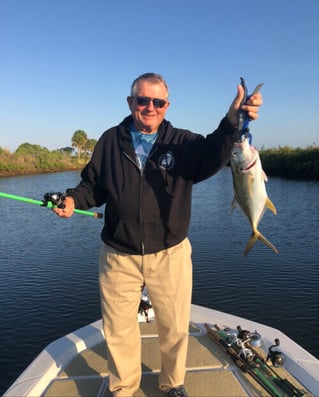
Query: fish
{"points": [[250, 190]]}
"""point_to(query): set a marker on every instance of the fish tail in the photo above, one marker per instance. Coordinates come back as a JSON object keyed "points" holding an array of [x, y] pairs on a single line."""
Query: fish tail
{"points": [[256, 235]]}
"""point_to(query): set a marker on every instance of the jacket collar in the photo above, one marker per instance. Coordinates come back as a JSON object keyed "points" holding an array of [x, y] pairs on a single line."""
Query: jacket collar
{"points": [[165, 132]]}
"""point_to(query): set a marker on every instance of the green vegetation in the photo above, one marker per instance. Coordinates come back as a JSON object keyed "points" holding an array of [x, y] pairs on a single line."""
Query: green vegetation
{"points": [[81, 142], [291, 163], [33, 159]]}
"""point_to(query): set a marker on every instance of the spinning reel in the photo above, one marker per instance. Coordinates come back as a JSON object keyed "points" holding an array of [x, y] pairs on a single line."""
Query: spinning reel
{"points": [[253, 338], [56, 198], [240, 338], [276, 356]]}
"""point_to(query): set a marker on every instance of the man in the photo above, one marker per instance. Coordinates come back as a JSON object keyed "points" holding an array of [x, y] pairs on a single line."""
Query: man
{"points": [[144, 170]]}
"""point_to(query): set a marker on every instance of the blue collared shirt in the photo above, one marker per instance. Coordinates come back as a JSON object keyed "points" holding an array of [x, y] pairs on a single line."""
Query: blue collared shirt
{"points": [[143, 144]]}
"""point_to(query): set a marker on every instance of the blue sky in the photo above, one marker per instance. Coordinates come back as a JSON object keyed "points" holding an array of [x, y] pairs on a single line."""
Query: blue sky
{"points": [[68, 65]]}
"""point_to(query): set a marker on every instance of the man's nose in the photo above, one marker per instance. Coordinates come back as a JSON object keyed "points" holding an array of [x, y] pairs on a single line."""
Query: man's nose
{"points": [[150, 106]]}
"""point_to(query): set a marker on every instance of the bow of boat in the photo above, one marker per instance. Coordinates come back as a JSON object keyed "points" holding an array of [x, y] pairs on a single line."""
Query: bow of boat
{"points": [[76, 365]]}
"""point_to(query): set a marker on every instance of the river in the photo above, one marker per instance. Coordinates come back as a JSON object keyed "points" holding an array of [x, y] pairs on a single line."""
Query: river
{"points": [[48, 278]]}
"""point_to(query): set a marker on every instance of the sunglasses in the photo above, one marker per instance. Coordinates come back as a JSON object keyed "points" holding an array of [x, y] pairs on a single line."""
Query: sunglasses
{"points": [[145, 101]]}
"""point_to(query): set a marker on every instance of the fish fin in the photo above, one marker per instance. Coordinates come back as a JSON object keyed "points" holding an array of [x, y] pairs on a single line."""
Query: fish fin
{"points": [[258, 236], [270, 205], [264, 176]]}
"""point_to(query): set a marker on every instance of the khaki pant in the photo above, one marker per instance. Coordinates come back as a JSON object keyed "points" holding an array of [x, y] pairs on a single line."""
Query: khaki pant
{"points": [[168, 278]]}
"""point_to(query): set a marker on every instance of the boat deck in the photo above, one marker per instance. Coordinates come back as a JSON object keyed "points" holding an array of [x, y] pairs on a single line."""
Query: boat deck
{"points": [[210, 371]]}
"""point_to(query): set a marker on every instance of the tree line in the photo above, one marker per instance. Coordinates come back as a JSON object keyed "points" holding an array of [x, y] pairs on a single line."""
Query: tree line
{"points": [[291, 163], [33, 159], [286, 162]]}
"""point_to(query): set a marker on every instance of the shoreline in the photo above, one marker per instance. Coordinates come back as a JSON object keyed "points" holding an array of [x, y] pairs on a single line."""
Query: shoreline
{"points": [[29, 172], [8, 174]]}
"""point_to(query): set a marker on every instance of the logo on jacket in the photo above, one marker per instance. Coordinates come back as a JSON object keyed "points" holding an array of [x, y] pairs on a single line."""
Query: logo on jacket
{"points": [[166, 161]]}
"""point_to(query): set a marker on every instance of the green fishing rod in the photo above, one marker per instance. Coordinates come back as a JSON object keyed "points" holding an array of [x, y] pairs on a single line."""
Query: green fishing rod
{"points": [[51, 200]]}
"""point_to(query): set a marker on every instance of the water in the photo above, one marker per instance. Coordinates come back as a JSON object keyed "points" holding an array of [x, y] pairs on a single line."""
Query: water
{"points": [[48, 278]]}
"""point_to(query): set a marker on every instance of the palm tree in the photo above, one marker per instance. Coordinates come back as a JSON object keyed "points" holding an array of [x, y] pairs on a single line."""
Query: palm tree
{"points": [[79, 140], [90, 144]]}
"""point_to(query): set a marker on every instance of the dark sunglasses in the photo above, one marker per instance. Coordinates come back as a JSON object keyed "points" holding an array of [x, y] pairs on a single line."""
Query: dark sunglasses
{"points": [[145, 101]]}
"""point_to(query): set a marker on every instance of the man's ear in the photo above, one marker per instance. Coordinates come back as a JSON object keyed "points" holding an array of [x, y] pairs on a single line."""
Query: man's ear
{"points": [[129, 100]]}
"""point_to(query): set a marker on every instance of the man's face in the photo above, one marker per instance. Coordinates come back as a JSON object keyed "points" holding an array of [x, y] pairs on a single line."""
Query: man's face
{"points": [[147, 118]]}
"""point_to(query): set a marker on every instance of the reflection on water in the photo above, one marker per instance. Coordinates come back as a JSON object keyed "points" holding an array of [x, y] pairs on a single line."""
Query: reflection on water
{"points": [[48, 278]]}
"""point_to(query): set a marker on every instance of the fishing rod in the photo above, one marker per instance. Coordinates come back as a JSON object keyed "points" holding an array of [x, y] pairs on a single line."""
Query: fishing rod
{"points": [[50, 200], [277, 359], [240, 346]]}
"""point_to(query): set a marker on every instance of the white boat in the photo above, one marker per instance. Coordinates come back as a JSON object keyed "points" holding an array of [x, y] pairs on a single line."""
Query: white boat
{"points": [[76, 364]]}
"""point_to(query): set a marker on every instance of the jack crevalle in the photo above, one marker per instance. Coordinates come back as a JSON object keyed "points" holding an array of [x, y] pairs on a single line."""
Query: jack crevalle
{"points": [[250, 190]]}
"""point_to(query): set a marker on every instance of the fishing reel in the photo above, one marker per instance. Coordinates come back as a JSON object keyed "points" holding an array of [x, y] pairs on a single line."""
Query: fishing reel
{"points": [[145, 309], [230, 335], [276, 357], [56, 198], [145, 305], [244, 340], [252, 338]]}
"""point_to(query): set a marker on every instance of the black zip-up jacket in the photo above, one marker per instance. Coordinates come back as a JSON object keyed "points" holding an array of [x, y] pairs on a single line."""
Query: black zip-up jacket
{"points": [[149, 210]]}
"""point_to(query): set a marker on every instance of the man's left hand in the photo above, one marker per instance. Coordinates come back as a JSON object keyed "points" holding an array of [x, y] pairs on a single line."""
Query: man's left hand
{"points": [[251, 107]]}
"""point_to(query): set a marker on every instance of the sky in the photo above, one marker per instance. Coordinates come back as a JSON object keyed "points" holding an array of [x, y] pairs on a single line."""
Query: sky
{"points": [[67, 65]]}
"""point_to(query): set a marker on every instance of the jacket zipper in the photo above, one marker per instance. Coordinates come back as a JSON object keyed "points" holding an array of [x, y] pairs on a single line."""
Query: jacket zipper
{"points": [[134, 161], [141, 171]]}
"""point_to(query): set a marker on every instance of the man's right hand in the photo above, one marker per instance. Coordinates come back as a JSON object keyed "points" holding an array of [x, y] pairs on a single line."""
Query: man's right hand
{"points": [[68, 209]]}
